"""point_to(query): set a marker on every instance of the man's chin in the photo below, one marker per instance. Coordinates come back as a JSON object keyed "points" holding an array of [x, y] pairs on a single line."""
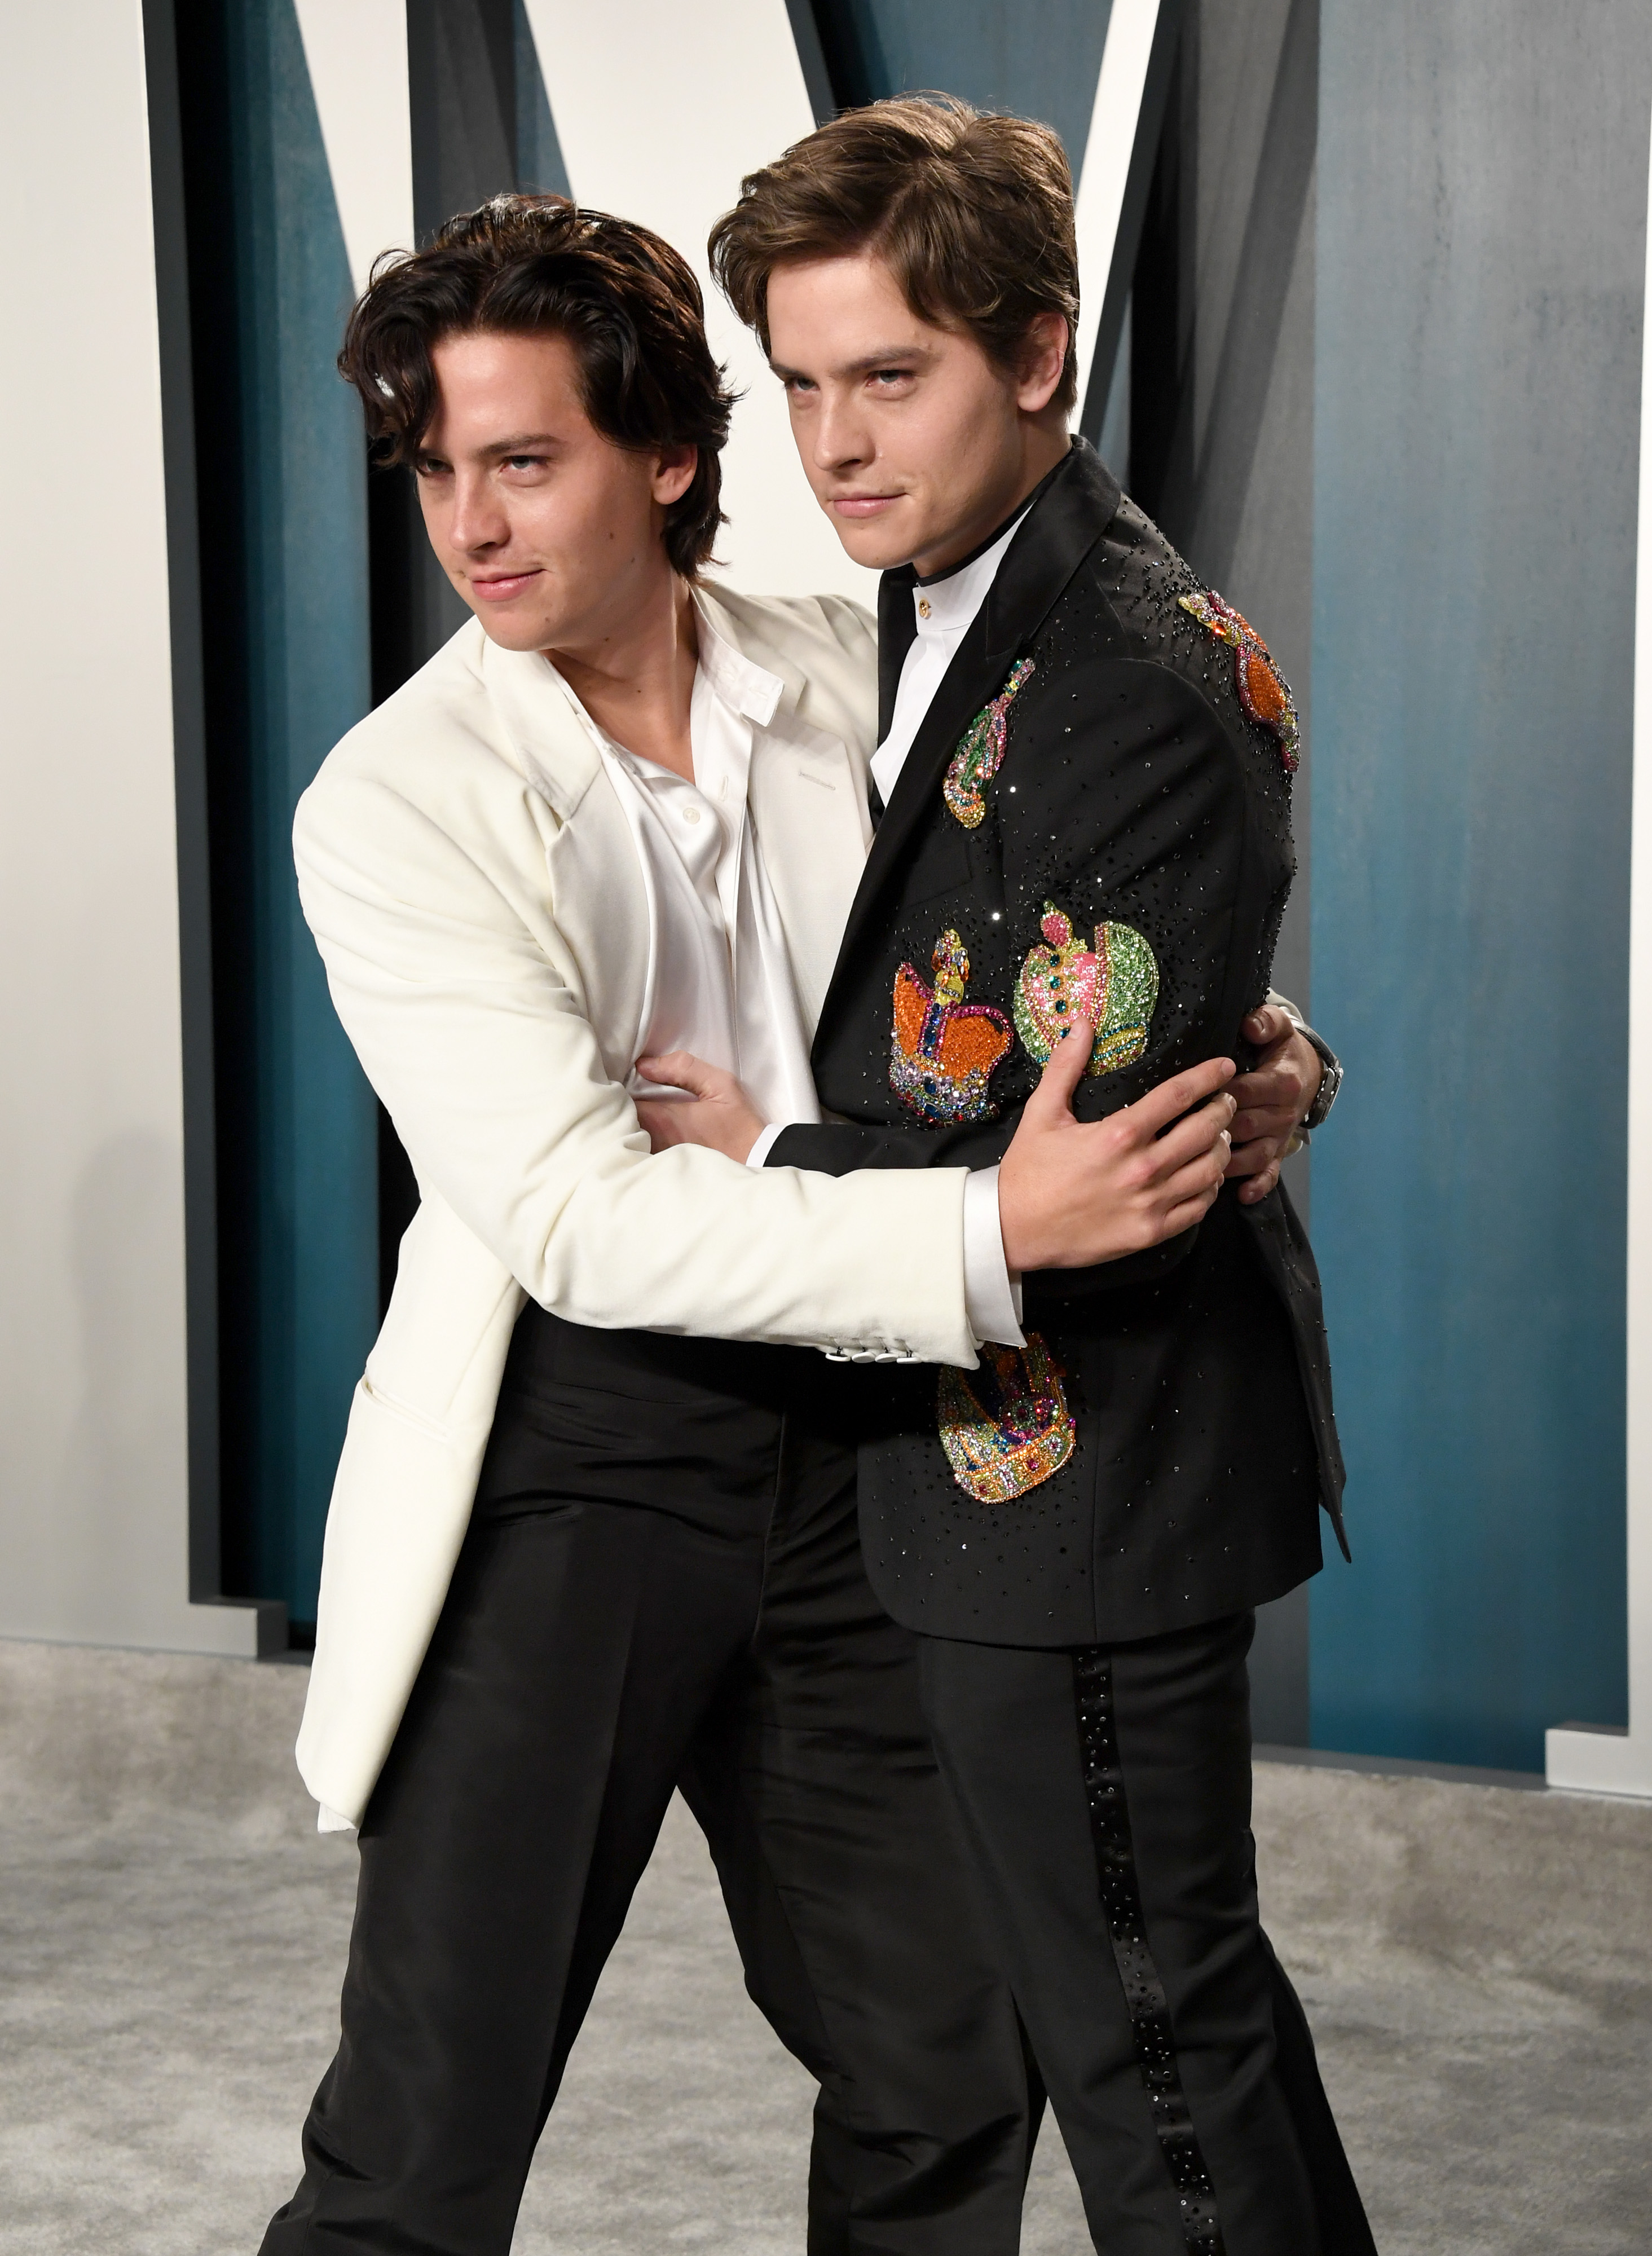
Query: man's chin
{"points": [[513, 630], [880, 543]]}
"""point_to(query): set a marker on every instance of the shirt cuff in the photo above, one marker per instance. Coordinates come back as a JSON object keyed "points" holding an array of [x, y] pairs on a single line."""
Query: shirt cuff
{"points": [[992, 1296], [757, 1156]]}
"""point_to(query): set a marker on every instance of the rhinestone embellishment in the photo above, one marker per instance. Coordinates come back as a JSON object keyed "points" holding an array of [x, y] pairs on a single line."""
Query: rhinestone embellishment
{"points": [[1262, 688], [943, 1049], [1005, 1428], [980, 751], [1115, 986], [1139, 1977]]}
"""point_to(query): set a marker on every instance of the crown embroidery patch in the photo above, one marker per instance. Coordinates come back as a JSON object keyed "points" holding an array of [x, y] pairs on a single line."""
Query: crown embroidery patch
{"points": [[945, 1049], [1115, 986], [1005, 1428], [980, 752], [1262, 688]]}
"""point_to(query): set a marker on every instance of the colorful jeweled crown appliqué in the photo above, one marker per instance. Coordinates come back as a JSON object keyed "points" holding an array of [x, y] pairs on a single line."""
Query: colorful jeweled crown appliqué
{"points": [[1005, 1428], [980, 752], [1115, 986], [943, 1049], [1262, 688]]}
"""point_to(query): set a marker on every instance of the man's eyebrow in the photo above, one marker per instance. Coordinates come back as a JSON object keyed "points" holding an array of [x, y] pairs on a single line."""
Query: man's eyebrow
{"points": [[864, 363], [519, 446], [500, 448]]}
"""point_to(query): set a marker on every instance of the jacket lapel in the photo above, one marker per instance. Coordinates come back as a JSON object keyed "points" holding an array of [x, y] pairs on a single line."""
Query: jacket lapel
{"points": [[809, 812], [596, 877], [553, 749], [1055, 536]]}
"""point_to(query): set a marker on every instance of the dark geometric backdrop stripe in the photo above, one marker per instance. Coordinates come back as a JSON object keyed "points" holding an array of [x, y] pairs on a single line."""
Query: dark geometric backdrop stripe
{"points": [[283, 506]]}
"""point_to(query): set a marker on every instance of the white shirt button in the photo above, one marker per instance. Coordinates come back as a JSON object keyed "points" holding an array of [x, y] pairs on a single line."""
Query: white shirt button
{"points": [[691, 815]]}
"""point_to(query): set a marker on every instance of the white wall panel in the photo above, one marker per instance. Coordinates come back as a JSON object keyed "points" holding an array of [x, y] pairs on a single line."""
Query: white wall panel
{"points": [[1109, 146], [660, 109], [356, 51], [94, 1507]]}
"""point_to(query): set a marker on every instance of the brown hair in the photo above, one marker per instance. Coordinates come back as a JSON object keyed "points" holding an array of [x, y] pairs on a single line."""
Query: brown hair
{"points": [[626, 302], [972, 213]]}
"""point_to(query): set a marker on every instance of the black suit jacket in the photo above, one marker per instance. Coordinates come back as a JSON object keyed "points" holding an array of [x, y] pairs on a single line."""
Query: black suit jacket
{"points": [[1135, 790]]}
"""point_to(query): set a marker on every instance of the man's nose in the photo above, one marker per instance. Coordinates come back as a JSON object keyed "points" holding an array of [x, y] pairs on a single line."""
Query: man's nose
{"points": [[840, 435], [479, 520]]}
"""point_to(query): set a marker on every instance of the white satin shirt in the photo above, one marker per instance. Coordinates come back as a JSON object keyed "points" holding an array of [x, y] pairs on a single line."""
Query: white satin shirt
{"points": [[719, 980]]}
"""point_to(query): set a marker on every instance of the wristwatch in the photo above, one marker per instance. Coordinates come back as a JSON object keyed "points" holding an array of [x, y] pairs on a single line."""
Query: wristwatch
{"points": [[1329, 1081]]}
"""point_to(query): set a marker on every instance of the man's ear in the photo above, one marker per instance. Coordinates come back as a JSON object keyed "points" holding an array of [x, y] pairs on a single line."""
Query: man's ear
{"points": [[673, 473], [1044, 357]]}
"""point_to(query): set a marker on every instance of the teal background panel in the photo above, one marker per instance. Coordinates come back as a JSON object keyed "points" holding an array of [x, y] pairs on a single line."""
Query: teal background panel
{"points": [[1040, 59], [304, 1286], [1481, 216]]}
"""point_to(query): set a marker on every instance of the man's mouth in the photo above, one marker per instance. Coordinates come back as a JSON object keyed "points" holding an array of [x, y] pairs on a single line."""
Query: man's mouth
{"points": [[499, 587], [854, 504]]}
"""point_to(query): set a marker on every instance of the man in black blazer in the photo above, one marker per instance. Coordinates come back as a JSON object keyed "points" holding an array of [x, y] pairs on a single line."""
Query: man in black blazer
{"points": [[1086, 757]]}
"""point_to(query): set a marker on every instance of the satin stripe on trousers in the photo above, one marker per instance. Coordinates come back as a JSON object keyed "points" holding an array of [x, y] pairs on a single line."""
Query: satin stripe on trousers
{"points": [[591, 1655], [1105, 1800]]}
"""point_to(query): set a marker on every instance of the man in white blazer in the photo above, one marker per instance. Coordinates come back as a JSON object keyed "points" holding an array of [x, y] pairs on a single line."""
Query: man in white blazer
{"points": [[593, 1533]]}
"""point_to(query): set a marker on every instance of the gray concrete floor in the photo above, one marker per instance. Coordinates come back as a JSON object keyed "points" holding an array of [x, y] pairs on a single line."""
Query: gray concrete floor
{"points": [[1477, 1962]]}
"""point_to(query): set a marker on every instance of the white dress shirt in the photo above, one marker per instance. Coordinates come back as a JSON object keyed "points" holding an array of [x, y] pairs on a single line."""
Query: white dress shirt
{"points": [[719, 981], [942, 609]]}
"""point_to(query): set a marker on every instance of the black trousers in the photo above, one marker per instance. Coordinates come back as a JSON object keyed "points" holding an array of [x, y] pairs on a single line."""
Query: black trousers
{"points": [[1105, 1799], [662, 1586]]}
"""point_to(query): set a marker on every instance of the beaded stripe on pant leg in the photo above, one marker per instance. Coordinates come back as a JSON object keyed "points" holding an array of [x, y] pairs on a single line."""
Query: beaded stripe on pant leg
{"points": [[1144, 1993]]}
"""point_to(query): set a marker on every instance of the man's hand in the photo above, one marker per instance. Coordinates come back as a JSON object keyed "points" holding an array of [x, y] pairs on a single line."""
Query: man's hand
{"points": [[717, 1112], [1072, 1193], [1273, 1099]]}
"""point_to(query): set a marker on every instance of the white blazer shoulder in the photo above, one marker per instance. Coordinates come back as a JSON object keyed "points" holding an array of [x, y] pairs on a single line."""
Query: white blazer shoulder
{"points": [[472, 883]]}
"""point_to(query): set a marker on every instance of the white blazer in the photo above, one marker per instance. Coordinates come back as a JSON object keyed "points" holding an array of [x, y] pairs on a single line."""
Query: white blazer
{"points": [[475, 890]]}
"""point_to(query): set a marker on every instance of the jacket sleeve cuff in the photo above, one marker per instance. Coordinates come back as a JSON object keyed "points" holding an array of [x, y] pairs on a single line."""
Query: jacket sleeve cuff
{"points": [[757, 1156], [992, 1296]]}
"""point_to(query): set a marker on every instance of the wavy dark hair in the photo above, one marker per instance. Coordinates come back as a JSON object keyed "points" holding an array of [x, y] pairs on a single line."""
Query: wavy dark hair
{"points": [[626, 302], [972, 212]]}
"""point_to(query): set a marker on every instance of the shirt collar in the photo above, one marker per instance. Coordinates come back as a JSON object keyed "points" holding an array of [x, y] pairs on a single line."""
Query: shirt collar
{"points": [[993, 540], [945, 605], [953, 597], [736, 680], [748, 688]]}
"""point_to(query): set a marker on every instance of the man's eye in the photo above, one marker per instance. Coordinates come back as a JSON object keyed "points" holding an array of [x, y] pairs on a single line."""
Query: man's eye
{"points": [[524, 462], [891, 375], [430, 466], [798, 383]]}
